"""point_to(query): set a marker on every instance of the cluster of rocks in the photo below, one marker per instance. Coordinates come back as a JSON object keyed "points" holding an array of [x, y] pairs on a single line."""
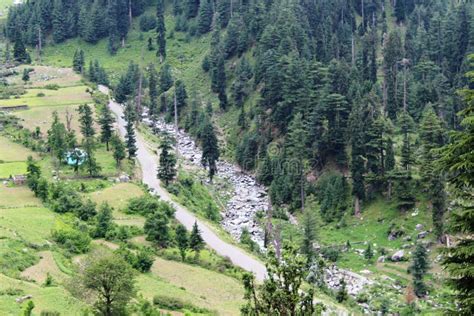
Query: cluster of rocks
{"points": [[248, 196], [355, 283]]}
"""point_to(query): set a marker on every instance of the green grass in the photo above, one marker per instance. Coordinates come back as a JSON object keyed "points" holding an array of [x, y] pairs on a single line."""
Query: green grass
{"points": [[184, 56], [60, 97], [45, 298], [8, 169], [10, 151]]}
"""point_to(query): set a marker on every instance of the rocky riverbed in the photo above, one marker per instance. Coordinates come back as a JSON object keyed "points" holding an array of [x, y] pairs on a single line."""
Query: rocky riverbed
{"points": [[247, 198]]}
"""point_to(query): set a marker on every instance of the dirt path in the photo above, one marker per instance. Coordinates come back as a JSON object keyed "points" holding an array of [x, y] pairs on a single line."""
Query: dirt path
{"points": [[148, 162]]}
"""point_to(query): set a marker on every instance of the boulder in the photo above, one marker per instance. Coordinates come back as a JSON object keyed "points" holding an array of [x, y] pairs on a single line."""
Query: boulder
{"points": [[398, 256], [124, 178], [419, 226], [381, 259], [422, 235]]}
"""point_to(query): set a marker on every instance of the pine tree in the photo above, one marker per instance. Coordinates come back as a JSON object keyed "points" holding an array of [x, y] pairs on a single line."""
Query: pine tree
{"points": [[130, 139], [166, 78], [87, 129], [59, 22], [26, 76], [458, 162], [419, 268], [106, 121], [196, 243], [181, 95], [368, 253], [191, 8], [118, 149], [152, 91], [56, 138], [205, 17], [309, 234], [341, 294], [161, 30], [78, 61], [210, 148], [223, 12], [358, 157], [167, 167], [432, 138], [182, 240], [19, 51], [104, 221], [157, 230]]}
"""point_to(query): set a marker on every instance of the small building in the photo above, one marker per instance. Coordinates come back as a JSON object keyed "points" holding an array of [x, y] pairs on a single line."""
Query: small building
{"points": [[19, 179]]}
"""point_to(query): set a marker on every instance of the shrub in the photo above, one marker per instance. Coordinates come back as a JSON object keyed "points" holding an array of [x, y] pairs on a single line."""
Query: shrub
{"points": [[52, 86], [49, 313], [73, 240], [148, 204], [330, 254], [147, 22], [40, 95]]}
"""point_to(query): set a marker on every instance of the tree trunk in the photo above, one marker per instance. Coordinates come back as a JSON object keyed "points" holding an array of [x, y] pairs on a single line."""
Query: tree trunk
{"points": [[357, 207]]}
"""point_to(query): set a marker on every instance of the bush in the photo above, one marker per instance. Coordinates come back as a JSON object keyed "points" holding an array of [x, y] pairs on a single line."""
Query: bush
{"points": [[73, 240], [169, 303], [147, 22], [49, 313], [40, 95], [52, 86], [148, 204], [330, 254]]}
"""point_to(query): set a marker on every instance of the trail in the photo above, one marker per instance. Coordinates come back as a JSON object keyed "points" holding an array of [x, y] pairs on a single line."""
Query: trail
{"points": [[148, 162]]}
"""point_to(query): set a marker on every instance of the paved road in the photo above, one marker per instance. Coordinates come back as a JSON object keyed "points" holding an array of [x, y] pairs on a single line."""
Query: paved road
{"points": [[148, 162]]}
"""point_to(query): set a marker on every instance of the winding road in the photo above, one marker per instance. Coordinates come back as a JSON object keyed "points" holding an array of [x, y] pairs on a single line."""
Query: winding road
{"points": [[148, 162]]}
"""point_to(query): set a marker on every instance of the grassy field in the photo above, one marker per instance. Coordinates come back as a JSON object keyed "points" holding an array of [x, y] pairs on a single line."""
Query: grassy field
{"points": [[12, 158]]}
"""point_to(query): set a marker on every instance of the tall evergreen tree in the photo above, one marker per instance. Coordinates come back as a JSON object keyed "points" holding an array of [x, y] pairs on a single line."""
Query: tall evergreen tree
{"points": [[130, 138], [419, 268], [152, 91], [457, 161], [210, 148], [118, 149], [167, 167], [205, 17], [182, 240], [161, 30], [106, 121], [196, 243]]}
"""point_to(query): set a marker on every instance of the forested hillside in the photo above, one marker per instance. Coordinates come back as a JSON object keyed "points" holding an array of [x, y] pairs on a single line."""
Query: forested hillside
{"points": [[340, 108]]}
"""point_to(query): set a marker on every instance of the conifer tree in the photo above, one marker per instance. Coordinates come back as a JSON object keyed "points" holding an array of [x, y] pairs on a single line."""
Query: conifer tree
{"points": [[309, 234], [210, 148], [19, 51], [161, 30], [418, 269], [152, 91], [157, 230], [26, 76], [205, 17], [166, 78], [78, 61], [196, 243], [130, 140], [458, 162], [104, 220], [182, 240], [118, 149], [56, 138], [167, 167], [87, 129], [358, 157], [106, 121], [368, 253]]}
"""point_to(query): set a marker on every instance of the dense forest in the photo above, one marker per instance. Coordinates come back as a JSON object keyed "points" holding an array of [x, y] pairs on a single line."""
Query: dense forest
{"points": [[344, 102]]}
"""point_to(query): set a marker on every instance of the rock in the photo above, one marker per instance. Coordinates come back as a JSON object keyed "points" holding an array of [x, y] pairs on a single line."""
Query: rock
{"points": [[407, 238], [398, 256], [381, 259], [422, 235], [24, 298], [124, 178], [419, 226], [406, 246]]}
